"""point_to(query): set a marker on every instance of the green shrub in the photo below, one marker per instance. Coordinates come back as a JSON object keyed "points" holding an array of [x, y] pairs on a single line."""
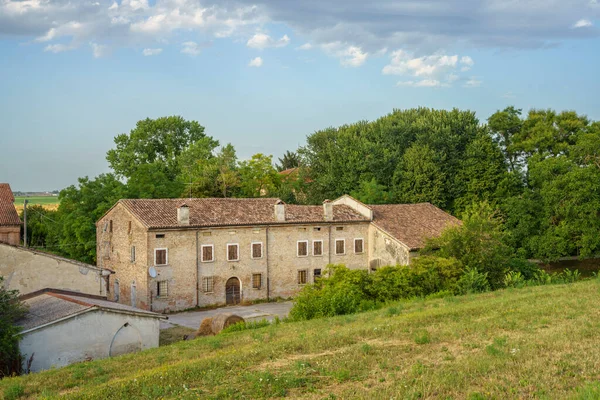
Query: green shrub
{"points": [[472, 281], [527, 269], [569, 276], [514, 280], [11, 309]]}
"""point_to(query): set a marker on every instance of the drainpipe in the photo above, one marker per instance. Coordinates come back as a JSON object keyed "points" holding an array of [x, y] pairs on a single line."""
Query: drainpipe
{"points": [[197, 270], [267, 259], [329, 246]]}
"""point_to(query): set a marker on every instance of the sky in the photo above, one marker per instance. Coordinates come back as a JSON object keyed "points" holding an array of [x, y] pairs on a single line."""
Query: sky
{"points": [[264, 74]]}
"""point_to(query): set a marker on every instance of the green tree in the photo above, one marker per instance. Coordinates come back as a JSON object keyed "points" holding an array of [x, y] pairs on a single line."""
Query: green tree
{"points": [[504, 125], [80, 207], [258, 177], [154, 147], [39, 223], [290, 159], [11, 309], [228, 177], [371, 192]]}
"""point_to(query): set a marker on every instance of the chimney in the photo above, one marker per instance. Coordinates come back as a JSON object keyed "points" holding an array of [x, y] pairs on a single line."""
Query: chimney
{"points": [[279, 211], [183, 214], [328, 210]]}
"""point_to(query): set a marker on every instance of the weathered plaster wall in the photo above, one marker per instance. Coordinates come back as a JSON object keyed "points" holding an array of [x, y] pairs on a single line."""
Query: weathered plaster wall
{"points": [[113, 251], [28, 271], [385, 250], [10, 235], [88, 336]]}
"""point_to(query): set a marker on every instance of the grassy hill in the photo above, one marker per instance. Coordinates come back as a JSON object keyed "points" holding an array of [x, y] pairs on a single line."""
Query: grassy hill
{"points": [[539, 342]]}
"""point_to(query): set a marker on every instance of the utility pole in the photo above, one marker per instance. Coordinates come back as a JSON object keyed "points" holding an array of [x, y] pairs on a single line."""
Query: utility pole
{"points": [[25, 222]]}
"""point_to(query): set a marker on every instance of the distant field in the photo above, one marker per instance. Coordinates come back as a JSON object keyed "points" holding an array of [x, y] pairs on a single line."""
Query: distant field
{"points": [[48, 202]]}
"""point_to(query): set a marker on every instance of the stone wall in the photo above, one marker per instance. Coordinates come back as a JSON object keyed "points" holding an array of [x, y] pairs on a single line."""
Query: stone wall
{"points": [[28, 271], [10, 235], [89, 336], [385, 250], [130, 282]]}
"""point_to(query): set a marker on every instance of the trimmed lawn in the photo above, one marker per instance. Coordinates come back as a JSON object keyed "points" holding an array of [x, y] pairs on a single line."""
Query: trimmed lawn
{"points": [[539, 342]]}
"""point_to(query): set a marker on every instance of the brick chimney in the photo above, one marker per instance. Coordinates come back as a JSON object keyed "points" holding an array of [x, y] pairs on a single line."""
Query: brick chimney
{"points": [[183, 214], [328, 210], [280, 211]]}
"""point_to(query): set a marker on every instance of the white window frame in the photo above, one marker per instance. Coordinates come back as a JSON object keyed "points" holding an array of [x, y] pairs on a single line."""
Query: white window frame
{"points": [[262, 250], [298, 248], [166, 256], [313, 248], [202, 253], [238, 251], [363, 245], [336, 242]]}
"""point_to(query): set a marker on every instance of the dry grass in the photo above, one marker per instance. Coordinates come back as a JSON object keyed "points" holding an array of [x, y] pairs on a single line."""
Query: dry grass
{"points": [[539, 342]]}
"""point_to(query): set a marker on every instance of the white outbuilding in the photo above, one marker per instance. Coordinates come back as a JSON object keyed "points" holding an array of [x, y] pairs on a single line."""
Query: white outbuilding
{"points": [[65, 327]]}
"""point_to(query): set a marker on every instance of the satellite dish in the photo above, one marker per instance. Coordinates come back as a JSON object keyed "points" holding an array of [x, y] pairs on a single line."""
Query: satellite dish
{"points": [[152, 272]]}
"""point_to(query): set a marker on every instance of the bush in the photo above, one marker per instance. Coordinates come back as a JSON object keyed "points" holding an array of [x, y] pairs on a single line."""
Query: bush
{"points": [[527, 269], [514, 280], [346, 291], [11, 309], [472, 281]]}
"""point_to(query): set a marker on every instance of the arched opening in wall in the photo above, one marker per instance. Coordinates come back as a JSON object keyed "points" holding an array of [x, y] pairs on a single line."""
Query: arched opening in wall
{"points": [[126, 340], [116, 290], [233, 293]]}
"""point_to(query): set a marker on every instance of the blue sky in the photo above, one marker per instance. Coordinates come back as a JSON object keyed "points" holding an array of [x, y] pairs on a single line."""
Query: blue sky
{"points": [[264, 74]]}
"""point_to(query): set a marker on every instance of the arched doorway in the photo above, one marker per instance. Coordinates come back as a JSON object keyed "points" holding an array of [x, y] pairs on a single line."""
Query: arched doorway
{"points": [[233, 293]]}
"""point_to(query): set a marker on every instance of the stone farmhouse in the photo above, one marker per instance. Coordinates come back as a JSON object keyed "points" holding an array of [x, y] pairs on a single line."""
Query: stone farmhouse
{"points": [[173, 254], [10, 223]]}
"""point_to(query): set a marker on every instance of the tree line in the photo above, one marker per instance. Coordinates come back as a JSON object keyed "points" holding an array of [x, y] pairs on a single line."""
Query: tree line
{"points": [[539, 173]]}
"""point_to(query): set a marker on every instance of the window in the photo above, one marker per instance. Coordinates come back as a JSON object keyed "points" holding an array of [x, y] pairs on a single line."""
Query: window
{"points": [[359, 246], [339, 228], [302, 250], [256, 281], [317, 228], [160, 257], [110, 226], [106, 249], [160, 235], [302, 277], [340, 246], [208, 284], [129, 228], [162, 289], [233, 252], [207, 254], [206, 233], [257, 250], [317, 273], [317, 247], [132, 257]]}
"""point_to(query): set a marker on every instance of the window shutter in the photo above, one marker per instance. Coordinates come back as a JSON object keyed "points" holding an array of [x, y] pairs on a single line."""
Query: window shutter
{"points": [[232, 252], [358, 246], [317, 248], [207, 253], [302, 248], [161, 257], [256, 281], [257, 250], [339, 246]]}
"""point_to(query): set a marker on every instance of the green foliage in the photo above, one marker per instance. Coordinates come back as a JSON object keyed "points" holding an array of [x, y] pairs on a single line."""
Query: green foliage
{"points": [[258, 177], [243, 326], [346, 291], [472, 281], [290, 160], [39, 224], [478, 243], [11, 309], [371, 192], [514, 279]]}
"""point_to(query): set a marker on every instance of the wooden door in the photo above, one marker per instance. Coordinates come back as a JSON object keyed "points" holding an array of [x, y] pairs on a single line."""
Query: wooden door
{"points": [[232, 291]]}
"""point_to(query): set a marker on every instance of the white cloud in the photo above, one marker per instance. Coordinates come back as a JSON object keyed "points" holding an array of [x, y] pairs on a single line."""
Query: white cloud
{"points": [[473, 82], [256, 62], [57, 48], [421, 83], [350, 56], [582, 23], [152, 52], [262, 41], [436, 70], [190, 48], [305, 46], [98, 50]]}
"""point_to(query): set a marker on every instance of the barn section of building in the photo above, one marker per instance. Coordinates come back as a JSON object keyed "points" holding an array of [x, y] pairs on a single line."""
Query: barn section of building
{"points": [[29, 271], [63, 328], [10, 223]]}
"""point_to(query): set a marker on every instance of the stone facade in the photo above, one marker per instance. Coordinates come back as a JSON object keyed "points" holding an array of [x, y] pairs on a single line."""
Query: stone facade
{"points": [[10, 234], [182, 266], [28, 271]]}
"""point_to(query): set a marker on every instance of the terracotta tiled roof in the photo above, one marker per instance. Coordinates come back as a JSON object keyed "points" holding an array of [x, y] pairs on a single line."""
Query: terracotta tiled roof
{"points": [[412, 224], [8, 213], [162, 213]]}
